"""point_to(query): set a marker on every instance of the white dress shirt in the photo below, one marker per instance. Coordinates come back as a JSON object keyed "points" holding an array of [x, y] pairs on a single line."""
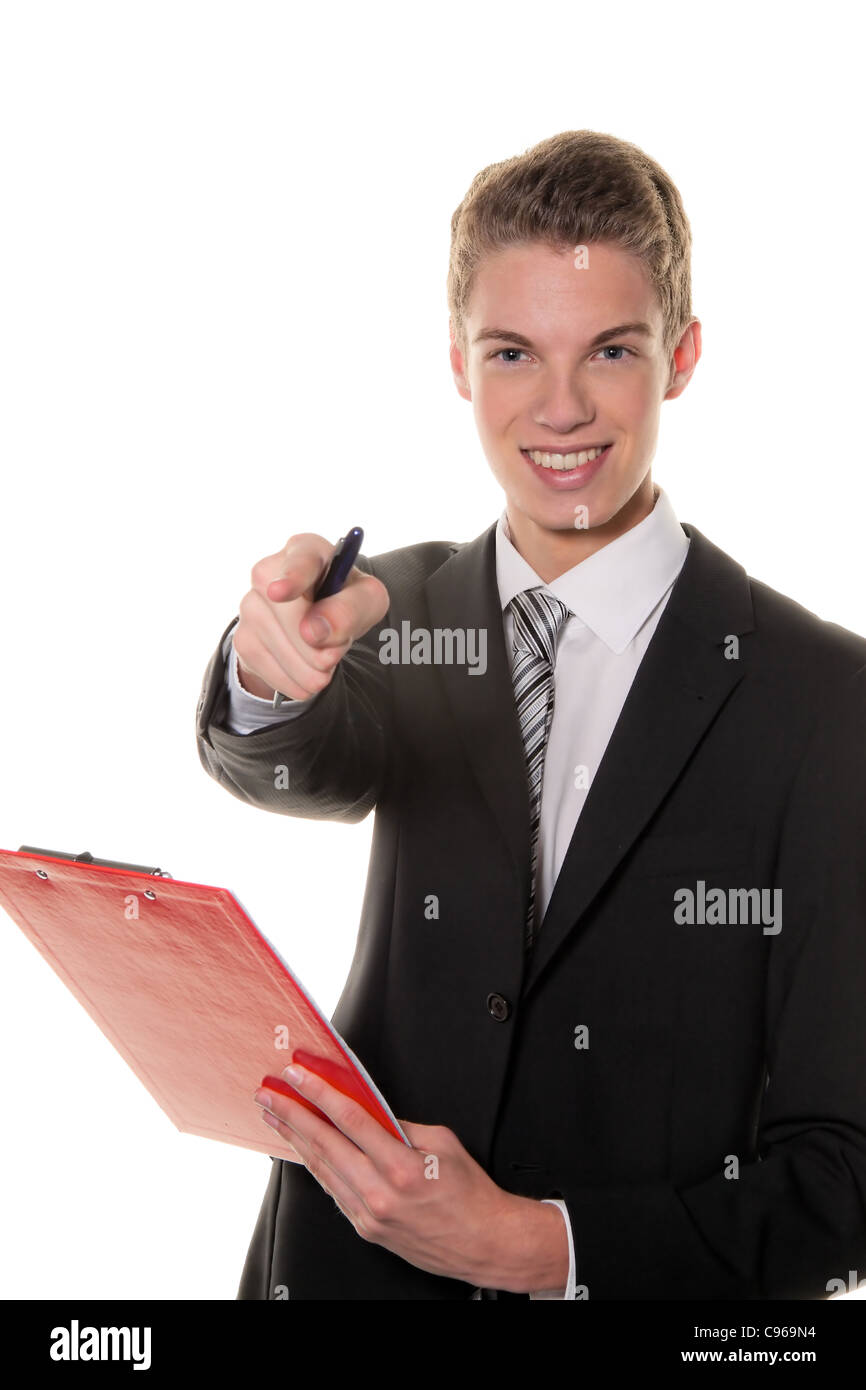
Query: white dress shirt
{"points": [[615, 599]]}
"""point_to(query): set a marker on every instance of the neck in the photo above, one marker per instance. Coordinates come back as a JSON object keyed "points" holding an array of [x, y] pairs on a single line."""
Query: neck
{"points": [[551, 553]]}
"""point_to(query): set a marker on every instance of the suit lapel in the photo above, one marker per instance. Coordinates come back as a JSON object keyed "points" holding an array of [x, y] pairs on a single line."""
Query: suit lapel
{"points": [[463, 593], [680, 686]]}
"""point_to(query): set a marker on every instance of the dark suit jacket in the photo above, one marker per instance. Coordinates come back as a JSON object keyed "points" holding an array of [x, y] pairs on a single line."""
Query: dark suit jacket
{"points": [[708, 1043]]}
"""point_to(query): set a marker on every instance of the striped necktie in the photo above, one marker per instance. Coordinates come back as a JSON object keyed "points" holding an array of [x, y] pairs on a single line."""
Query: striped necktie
{"points": [[538, 617]]}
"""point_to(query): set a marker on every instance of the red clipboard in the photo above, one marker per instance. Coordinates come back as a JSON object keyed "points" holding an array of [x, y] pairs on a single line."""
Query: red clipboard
{"points": [[185, 986]]}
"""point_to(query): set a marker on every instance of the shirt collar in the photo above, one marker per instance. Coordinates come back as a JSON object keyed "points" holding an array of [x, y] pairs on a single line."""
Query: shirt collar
{"points": [[613, 591]]}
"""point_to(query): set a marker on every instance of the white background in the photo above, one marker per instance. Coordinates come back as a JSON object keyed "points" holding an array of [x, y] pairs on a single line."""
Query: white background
{"points": [[223, 248]]}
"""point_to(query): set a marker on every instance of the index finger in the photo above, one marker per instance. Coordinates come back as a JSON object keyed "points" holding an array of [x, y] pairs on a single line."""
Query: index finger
{"points": [[305, 560]]}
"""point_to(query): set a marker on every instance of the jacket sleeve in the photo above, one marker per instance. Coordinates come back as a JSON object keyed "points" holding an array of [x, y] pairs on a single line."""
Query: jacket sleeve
{"points": [[795, 1218], [329, 763]]}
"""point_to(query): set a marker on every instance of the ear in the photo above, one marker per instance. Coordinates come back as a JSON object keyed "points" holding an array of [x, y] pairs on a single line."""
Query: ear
{"points": [[458, 366], [686, 357]]}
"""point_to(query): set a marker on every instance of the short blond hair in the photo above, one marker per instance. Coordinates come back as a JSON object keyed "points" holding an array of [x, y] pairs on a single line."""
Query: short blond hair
{"points": [[573, 189]]}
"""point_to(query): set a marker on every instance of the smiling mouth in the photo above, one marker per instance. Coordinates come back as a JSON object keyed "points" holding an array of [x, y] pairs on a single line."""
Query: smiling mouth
{"points": [[564, 463]]}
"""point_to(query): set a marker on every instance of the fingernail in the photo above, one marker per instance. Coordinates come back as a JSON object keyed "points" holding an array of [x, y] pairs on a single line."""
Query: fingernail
{"points": [[318, 628]]}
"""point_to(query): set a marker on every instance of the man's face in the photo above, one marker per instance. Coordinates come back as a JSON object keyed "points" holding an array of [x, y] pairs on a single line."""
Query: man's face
{"points": [[548, 375]]}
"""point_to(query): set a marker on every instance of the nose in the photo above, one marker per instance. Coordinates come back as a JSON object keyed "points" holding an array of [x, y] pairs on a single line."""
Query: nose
{"points": [[564, 404]]}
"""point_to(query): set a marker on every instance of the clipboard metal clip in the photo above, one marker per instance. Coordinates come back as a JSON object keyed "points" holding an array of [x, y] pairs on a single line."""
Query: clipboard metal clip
{"points": [[87, 858]]}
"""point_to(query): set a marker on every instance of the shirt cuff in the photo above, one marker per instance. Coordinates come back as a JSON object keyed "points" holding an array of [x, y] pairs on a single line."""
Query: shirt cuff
{"points": [[569, 1291], [245, 712]]}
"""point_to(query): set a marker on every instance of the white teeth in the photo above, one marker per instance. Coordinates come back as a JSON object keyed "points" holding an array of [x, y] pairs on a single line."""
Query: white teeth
{"points": [[563, 462]]}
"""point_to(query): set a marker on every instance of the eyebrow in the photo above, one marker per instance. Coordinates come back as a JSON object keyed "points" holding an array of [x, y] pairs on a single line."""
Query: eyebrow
{"points": [[622, 330]]}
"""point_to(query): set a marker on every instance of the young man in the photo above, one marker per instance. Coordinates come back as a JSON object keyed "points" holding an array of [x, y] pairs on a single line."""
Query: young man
{"points": [[612, 954]]}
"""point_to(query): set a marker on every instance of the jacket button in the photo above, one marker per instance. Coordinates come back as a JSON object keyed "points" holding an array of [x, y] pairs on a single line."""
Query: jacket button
{"points": [[498, 1007]]}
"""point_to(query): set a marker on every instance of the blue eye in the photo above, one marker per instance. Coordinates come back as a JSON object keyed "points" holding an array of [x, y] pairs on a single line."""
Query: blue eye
{"points": [[509, 356]]}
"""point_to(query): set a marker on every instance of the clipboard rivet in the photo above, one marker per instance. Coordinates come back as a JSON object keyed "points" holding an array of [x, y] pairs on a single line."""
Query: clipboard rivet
{"points": [[41, 873], [149, 893]]}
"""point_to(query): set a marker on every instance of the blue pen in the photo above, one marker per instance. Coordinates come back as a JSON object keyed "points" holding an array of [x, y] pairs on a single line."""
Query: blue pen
{"points": [[335, 576]]}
